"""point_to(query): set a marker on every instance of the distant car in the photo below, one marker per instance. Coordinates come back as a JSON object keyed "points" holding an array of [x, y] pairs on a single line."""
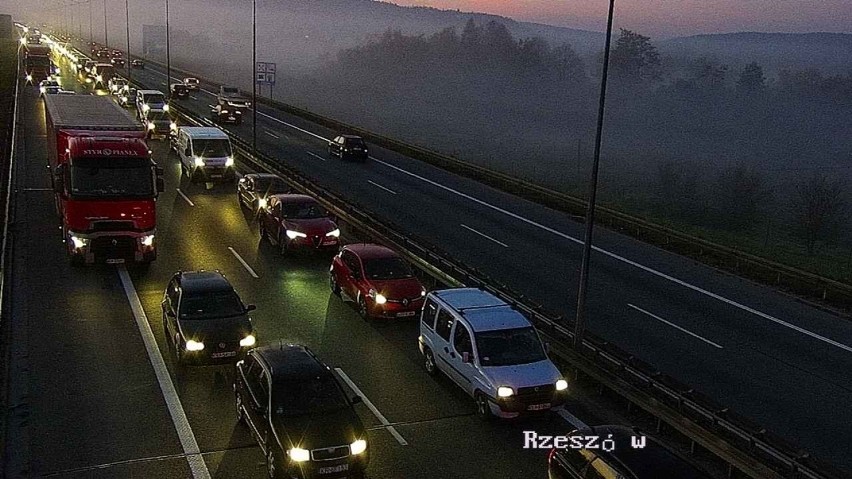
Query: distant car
{"points": [[300, 414], [178, 90], [191, 83], [88, 66], [50, 90], [348, 146], [49, 83], [254, 188], [378, 280], [118, 86], [204, 319], [119, 62], [137, 63], [298, 222], [650, 462], [225, 114], [127, 99]]}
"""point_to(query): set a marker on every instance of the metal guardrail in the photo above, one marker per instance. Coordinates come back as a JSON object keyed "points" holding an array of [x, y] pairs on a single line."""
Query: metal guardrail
{"points": [[742, 445]]}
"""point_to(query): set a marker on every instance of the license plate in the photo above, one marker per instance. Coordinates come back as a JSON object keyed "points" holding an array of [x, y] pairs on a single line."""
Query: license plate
{"points": [[115, 261], [215, 176], [405, 314], [333, 469], [226, 354], [329, 242], [538, 407]]}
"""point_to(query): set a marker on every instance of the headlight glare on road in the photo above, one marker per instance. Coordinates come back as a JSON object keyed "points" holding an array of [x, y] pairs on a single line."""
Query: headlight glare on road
{"points": [[145, 107], [504, 392], [295, 234], [248, 341], [194, 345], [297, 454], [148, 240], [229, 161], [198, 161], [561, 385], [358, 447], [99, 78], [79, 243], [335, 233], [42, 89]]}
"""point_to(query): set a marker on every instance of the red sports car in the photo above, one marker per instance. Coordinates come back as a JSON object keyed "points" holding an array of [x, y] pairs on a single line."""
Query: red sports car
{"points": [[298, 222], [378, 280]]}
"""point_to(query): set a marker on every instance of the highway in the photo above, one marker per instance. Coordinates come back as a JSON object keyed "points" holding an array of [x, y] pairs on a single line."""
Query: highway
{"points": [[85, 375], [766, 355]]}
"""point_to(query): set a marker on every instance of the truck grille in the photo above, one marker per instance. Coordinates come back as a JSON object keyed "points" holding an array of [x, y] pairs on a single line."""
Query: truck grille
{"points": [[536, 394], [330, 453], [112, 226], [113, 247]]}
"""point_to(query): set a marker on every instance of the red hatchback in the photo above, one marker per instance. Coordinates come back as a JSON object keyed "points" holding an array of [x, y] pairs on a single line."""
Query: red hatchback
{"points": [[298, 222], [378, 280]]}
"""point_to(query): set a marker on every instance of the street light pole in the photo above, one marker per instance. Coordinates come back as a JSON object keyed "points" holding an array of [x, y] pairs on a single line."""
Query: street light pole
{"points": [[91, 35], [106, 30], [127, 56], [168, 55], [580, 323], [254, 78]]}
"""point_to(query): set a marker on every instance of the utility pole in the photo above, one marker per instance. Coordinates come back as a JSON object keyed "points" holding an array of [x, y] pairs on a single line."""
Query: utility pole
{"points": [[254, 78], [580, 323], [106, 30], [127, 55], [91, 35], [168, 55]]}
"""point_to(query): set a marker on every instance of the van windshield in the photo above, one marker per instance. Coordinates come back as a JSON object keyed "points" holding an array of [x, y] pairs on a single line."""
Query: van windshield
{"points": [[507, 347], [212, 148]]}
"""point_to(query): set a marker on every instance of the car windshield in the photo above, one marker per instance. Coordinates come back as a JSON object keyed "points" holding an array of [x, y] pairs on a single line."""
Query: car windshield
{"points": [[386, 268], [304, 211], [210, 305], [153, 99], [506, 347], [270, 186], [49, 83], [354, 142], [212, 148], [90, 179], [312, 395], [191, 80]]}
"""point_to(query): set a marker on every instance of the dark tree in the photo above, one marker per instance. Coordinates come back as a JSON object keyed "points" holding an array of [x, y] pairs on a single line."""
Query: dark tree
{"points": [[751, 78], [710, 74], [740, 199], [634, 57], [818, 209]]}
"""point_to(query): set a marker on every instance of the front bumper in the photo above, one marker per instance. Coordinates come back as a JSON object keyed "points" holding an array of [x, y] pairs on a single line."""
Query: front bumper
{"points": [[332, 469], [527, 405], [111, 247], [214, 173], [215, 353], [394, 309], [314, 243]]}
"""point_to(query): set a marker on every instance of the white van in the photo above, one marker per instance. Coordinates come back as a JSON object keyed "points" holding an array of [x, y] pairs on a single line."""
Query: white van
{"points": [[489, 350], [205, 153]]}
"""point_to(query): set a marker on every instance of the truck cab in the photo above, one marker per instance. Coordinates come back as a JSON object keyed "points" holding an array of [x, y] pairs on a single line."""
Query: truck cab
{"points": [[153, 111], [230, 96], [205, 154]]}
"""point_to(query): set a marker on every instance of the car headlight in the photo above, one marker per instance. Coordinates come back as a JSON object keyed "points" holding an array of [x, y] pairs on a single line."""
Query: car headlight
{"points": [[172, 126], [198, 161], [42, 89], [165, 107], [358, 447], [79, 242], [99, 78], [297, 454], [145, 107], [229, 161], [422, 293], [124, 99], [148, 240], [561, 385], [151, 125], [261, 203], [335, 233], [238, 112], [248, 341], [295, 234], [29, 77], [504, 392], [23, 41], [381, 299], [194, 345]]}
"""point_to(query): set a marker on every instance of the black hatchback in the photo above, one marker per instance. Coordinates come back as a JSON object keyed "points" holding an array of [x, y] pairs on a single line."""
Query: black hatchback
{"points": [[622, 457], [300, 414], [348, 146], [205, 321], [179, 90]]}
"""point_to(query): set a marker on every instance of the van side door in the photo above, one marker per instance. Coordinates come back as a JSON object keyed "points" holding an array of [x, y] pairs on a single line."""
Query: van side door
{"points": [[444, 355], [462, 358]]}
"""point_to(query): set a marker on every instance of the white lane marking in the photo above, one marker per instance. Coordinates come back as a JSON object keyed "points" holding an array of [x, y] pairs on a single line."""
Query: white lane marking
{"points": [[211, 106], [372, 408], [273, 135], [572, 419], [484, 235], [625, 260], [193, 97], [316, 156], [382, 187], [185, 197], [181, 423], [597, 249], [675, 326], [245, 265]]}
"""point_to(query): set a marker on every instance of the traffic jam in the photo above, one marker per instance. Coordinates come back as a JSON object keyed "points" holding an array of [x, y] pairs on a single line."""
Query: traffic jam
{"points": [[106, 182]]}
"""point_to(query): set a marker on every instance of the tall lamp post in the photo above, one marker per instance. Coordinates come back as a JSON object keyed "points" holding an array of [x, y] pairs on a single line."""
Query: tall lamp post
{"points": [[91, 34], [580, 323], [168, 55], [106, 29], [254, 78], [127, 56]]}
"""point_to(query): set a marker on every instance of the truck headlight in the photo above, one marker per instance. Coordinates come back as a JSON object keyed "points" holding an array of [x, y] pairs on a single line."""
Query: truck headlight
{"points": [[561, 385], [145, 107], [335, 233], [151, 125], [248, 341], [381, 299], [42, 89], [172, 126], [297, 454], [295, 234], [198, 161], [504, 392], [148, 240], [79, 243], [261, 203], [358, 447], [194, 345], [165, 107], [99, 78], [229, 161]]}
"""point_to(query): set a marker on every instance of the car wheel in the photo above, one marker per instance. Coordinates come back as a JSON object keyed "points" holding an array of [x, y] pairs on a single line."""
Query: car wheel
{"points": [[335, 288], [362, 308], [238, 403], [483, 409], [429, 363]]}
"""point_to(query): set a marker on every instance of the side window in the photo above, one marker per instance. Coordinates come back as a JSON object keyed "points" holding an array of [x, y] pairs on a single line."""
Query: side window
{"points": [[429, 311], [263, 384], [351, 262], [444, 324], [461, 340], [252, 372], [172, 293]]}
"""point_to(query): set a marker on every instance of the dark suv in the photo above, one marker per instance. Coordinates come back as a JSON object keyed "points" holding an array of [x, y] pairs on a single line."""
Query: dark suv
{"points": [[300, 414], [348, 146], [204, 319], [622, 460]]}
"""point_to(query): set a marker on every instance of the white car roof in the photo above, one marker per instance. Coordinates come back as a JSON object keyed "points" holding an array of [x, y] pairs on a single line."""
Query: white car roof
{"points": [[481, 309], [151, 92], [204, 132]]}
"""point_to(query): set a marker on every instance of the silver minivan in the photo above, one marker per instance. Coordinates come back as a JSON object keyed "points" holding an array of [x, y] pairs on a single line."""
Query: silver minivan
{"points": [[491, 351]]}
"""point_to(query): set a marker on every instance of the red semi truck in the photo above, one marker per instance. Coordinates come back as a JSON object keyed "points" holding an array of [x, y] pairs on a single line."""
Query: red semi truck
{"points": [[104, 179]]}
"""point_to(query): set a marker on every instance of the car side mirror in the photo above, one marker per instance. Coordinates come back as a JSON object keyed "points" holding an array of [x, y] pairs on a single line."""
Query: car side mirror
{"points": [[250, 307], [466, 357], [356, 399]]}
